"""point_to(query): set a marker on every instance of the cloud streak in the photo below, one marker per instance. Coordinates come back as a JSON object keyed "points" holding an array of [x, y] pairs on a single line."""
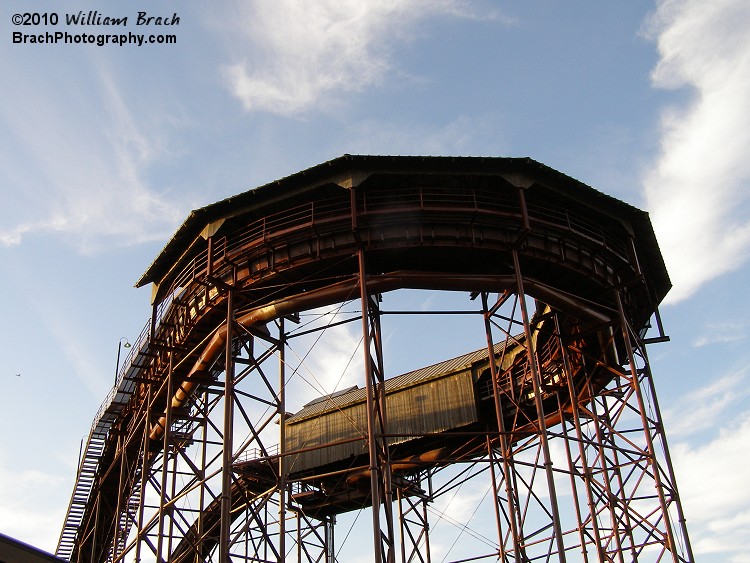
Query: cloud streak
{"points": [[86, 170], [706, 405], [337, 361], [305, 55], [697, 190], [721, 333], [714, 492]]}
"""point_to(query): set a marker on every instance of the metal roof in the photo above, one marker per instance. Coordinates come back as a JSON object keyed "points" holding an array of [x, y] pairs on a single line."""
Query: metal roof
{"points": [[348, 170], [16, 551]]}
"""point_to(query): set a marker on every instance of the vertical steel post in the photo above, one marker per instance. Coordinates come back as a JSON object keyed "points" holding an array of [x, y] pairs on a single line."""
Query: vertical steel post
{"points": [[626, 334], [203, 459], [668, 458], [299, 536], [165, 462], [537, 386], [95, 534], [144, 471], [172, 494], [375, 393], [505, 453], [120, 489], [616, 471], [605, 470], [330, 544], [282, 442], [379, 469], [580, 440], [496, 500], [226, 460], [373, 436]]}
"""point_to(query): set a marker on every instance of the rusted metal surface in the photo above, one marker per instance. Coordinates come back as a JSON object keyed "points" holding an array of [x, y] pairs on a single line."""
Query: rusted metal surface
{"points": [[354, 229]]}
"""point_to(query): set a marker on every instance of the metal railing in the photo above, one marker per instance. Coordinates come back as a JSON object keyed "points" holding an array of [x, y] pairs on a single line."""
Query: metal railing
{"points": [[96, 444]]}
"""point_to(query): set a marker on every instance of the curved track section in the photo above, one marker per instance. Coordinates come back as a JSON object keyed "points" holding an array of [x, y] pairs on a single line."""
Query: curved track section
{"points": [[351, 228]]}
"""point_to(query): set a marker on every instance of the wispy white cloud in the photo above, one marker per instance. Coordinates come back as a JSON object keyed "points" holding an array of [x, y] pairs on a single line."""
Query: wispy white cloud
{"points": [[697, 190], [706, 404], [721, 333], [711, 475], [300, 56], [86, 169], [339, 359], [714, 492], [327, 361]]}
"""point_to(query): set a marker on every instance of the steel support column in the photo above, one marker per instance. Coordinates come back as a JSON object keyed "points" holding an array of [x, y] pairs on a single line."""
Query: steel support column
{"points": [[282, 485], [380, 472], [578, 440], [653, 428], [414, 525], [668, 468], [541, 415], [506, 455], [162, 553], [227, 446], [146, 415]]}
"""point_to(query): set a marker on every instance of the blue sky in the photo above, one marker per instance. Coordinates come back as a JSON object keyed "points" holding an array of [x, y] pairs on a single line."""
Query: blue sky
{"points": [[105, 150]]}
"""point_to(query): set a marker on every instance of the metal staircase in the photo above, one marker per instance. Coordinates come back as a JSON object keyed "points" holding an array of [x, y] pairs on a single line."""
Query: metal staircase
{"points": [[96, 444], [84, 483], [128, 516]]}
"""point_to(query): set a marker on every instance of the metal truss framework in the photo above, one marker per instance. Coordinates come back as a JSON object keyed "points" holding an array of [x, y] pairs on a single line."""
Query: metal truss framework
{"points": [[197, 468]]}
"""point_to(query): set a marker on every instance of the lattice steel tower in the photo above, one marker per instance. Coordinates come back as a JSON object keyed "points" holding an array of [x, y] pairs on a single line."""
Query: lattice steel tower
{"points": [[391, 359]]}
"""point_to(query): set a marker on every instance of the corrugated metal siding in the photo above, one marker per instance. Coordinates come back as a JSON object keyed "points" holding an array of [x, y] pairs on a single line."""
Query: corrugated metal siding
{"points": [[343, 424], [418, 376], [432, 399], [433, 406], [436, 406]]}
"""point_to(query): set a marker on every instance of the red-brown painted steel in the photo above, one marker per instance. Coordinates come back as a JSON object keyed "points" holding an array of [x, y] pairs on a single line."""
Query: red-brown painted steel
{"points": [[358, 227]]}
